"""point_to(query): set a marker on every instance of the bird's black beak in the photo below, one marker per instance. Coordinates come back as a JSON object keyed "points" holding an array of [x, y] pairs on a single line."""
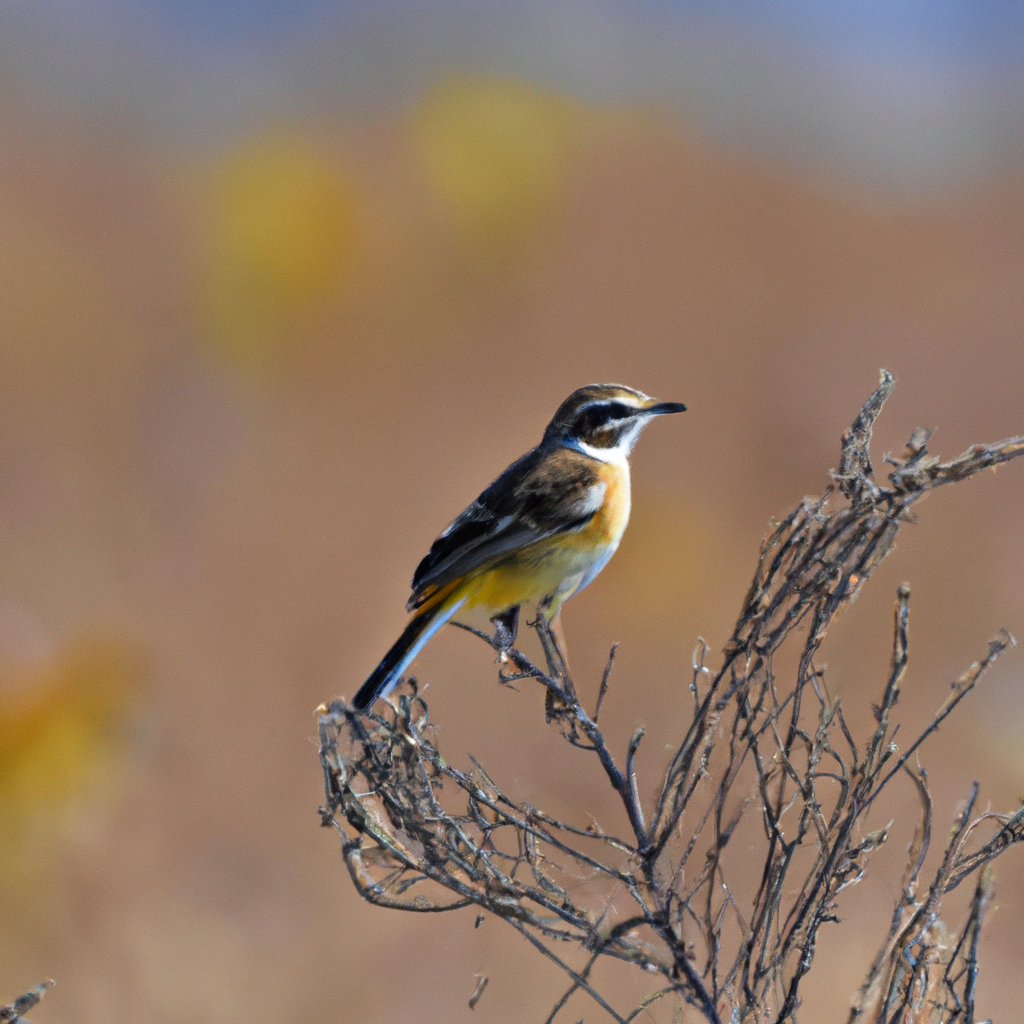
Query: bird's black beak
{"points": [[663, 408]]}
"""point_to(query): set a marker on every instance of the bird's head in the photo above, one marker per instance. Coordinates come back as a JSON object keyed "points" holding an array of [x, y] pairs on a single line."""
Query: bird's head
{"points": [[605, 420]]}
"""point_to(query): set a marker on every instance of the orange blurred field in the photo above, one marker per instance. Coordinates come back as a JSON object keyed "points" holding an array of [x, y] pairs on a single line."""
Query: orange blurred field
{"points": [[244, 384]]}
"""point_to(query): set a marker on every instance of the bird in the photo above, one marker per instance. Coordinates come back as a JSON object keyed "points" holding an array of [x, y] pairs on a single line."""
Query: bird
{"points": [[538, 534]]}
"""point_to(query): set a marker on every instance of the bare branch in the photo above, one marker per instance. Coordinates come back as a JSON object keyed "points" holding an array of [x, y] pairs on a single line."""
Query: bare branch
{"points": [[760, 821], [12, 1012]]}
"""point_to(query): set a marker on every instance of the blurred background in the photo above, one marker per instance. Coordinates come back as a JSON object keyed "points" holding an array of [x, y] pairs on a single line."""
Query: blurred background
{"points": [[282, 287]]}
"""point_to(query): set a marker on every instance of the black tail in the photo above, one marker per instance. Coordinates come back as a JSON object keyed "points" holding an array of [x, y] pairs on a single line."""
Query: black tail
{"points": [[395, 662]]}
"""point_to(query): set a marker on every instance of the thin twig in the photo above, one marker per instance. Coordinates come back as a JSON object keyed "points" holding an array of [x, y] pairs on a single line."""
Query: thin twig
{"points": [[760, 823]]}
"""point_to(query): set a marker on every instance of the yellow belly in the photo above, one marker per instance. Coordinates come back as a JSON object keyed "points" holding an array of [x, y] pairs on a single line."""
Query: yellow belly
{"points": [[557, 566]]}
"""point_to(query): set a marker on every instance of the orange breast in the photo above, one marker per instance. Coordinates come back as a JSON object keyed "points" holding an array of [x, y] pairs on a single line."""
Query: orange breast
{"points": [[565, 562], [613, 516]]}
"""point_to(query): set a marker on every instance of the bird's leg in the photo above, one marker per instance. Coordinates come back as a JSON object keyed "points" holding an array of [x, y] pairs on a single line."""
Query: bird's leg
{"points": [[554, 653], [506, 626], [552, 639], [557, 631]]}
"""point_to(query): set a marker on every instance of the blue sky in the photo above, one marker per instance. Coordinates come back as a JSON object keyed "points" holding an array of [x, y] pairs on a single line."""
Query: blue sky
{"points": [[891, 91], [969, 31]]}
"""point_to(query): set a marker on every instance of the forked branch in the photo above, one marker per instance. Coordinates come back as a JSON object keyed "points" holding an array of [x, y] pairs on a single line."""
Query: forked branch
{"points": [[771, 760]]}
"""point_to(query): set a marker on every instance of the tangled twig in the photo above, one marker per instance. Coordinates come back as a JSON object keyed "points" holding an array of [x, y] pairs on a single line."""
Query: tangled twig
{"points": [[729, 935]]}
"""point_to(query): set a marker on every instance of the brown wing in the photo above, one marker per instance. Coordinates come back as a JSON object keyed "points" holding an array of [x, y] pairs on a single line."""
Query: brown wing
{"points": [[549, 490]]}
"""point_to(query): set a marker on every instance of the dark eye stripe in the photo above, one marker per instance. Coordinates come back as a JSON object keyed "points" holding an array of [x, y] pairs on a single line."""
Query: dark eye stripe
{"points": [[607, 412], [619, 411], [599, 415]]}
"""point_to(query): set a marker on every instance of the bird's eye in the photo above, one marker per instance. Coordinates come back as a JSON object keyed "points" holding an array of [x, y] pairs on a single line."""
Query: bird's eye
{"points": [[619, 411], [602, 414]]}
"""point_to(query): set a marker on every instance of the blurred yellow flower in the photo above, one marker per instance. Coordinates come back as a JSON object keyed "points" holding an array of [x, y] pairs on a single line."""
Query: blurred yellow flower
{"points": [[280, 238], [496, 151], [62, 733]]}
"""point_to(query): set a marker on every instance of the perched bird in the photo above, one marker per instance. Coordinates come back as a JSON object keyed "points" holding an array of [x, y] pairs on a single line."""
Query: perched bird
{"points": [[540, 533]]}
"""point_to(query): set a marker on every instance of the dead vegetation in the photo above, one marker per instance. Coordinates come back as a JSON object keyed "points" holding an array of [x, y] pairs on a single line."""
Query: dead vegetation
{"points": [[726, 937]]}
